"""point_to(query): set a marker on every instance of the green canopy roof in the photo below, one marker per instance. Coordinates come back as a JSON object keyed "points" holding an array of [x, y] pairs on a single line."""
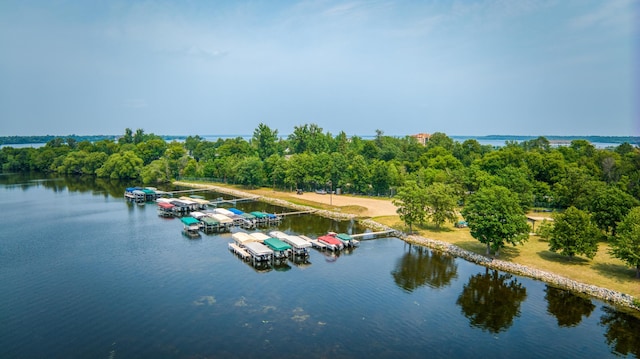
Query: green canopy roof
{"points": [[259, 215], [189, 220], [344, 236], [209, 221], [276, 244]]}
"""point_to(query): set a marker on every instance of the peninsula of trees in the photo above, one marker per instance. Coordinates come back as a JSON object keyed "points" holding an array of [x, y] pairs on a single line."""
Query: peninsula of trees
{"points": [[594, 189]]}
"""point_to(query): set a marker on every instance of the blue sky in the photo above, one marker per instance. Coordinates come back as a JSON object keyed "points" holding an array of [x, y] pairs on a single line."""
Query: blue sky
{"points": [[477, 67]]}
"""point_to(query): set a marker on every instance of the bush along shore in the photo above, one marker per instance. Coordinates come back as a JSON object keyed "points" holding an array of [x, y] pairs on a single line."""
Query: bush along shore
{"points": [[555, 280]]}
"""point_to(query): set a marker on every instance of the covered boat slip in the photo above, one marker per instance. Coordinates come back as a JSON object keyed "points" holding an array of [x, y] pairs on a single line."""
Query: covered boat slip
{"points": [[222, 220], [191, 226], [202, 203], [140, 195], [259, 236], [259, 251], [238, 220], [210, 225], [298, 245], [331, 242], [165, 209], [242, 238], [347, 240], [280, 248]]}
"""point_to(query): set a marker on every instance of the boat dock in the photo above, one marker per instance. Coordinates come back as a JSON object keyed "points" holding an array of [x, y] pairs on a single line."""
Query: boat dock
{"points": [[239, 251], [373, 235], [233, 201], [283, 214], [314, 243]]}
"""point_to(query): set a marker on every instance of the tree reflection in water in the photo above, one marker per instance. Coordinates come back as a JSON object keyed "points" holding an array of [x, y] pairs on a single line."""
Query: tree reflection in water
{"points": [[622, 331], [420, 266], [491, 300], [567, 307]]}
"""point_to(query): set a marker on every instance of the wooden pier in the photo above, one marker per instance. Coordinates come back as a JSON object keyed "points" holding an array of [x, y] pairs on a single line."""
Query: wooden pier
{"points": [[314, 243], [373, 235], [239, 251], [172, 193], [233, 201], [284, 214]]}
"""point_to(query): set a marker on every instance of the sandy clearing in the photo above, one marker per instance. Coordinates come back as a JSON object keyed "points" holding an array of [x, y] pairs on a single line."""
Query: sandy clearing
{"points": [[374, 207]]}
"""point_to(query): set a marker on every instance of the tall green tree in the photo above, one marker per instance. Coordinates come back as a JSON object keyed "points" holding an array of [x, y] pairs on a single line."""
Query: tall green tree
{"points": [[265, 141], [574, 233], [410, 201], [250, 171], [495, 218], [626, 244], [608, 206], [125, 165], [441, 201]]}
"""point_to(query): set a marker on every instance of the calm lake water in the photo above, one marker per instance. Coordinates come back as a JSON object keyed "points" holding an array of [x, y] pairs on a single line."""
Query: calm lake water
{"points": [[84, 274]]}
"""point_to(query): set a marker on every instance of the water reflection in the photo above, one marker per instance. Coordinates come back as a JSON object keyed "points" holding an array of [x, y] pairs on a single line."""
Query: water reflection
{"points": [[567, 307], [492, 300], [622, 331], [420, 266]]}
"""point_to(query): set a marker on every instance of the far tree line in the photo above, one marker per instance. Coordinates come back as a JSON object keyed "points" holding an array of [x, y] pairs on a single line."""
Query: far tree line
{"points": [[593, 189]]}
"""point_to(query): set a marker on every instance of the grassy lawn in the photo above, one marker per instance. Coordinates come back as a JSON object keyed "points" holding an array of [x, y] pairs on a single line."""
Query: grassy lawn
{"points": [[603, 270]]}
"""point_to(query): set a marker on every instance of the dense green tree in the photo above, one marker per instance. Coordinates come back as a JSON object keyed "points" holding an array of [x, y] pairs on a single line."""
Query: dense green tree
{"points": [[139, 136], [358, 175], [609, 205], [626, 243], [309, 137], [191, 143], [125, 165], [410, 201], [73, 163], [250, 171], [297, 173], [127, 138], [573, 234], [469, 151], [156, 172], [440, 139], [151, 150], [495, 218], [265, 141], [540, 144], [381, 176], [275, 167], [572, 187], [517, 181], [440, 201], [235, 147]]}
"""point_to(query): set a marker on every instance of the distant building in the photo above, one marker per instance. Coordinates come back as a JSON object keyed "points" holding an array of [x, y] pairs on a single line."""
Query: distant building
{"points": [[422, 138]]}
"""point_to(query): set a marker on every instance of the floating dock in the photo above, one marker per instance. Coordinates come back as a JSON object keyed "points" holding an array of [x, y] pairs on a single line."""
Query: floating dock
{"points": [[239, 251]]}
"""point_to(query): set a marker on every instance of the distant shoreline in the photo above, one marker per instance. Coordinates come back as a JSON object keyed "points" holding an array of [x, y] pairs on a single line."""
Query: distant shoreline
{"points": [[37, 139]]}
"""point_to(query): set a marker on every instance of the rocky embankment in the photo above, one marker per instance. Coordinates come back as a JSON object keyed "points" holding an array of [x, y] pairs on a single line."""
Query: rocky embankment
{"points": [[444, 247]]}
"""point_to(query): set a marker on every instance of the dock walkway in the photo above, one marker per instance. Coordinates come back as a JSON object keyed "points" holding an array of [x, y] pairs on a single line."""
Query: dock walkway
{"points": [[239, 251]]}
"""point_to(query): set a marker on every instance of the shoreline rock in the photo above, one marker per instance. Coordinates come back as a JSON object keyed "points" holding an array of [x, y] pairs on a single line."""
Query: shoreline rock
{"points": [[605, 294]]}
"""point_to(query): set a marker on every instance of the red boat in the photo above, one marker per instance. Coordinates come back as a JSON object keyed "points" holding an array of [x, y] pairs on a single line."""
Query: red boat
{"points": [[331, 241]]}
